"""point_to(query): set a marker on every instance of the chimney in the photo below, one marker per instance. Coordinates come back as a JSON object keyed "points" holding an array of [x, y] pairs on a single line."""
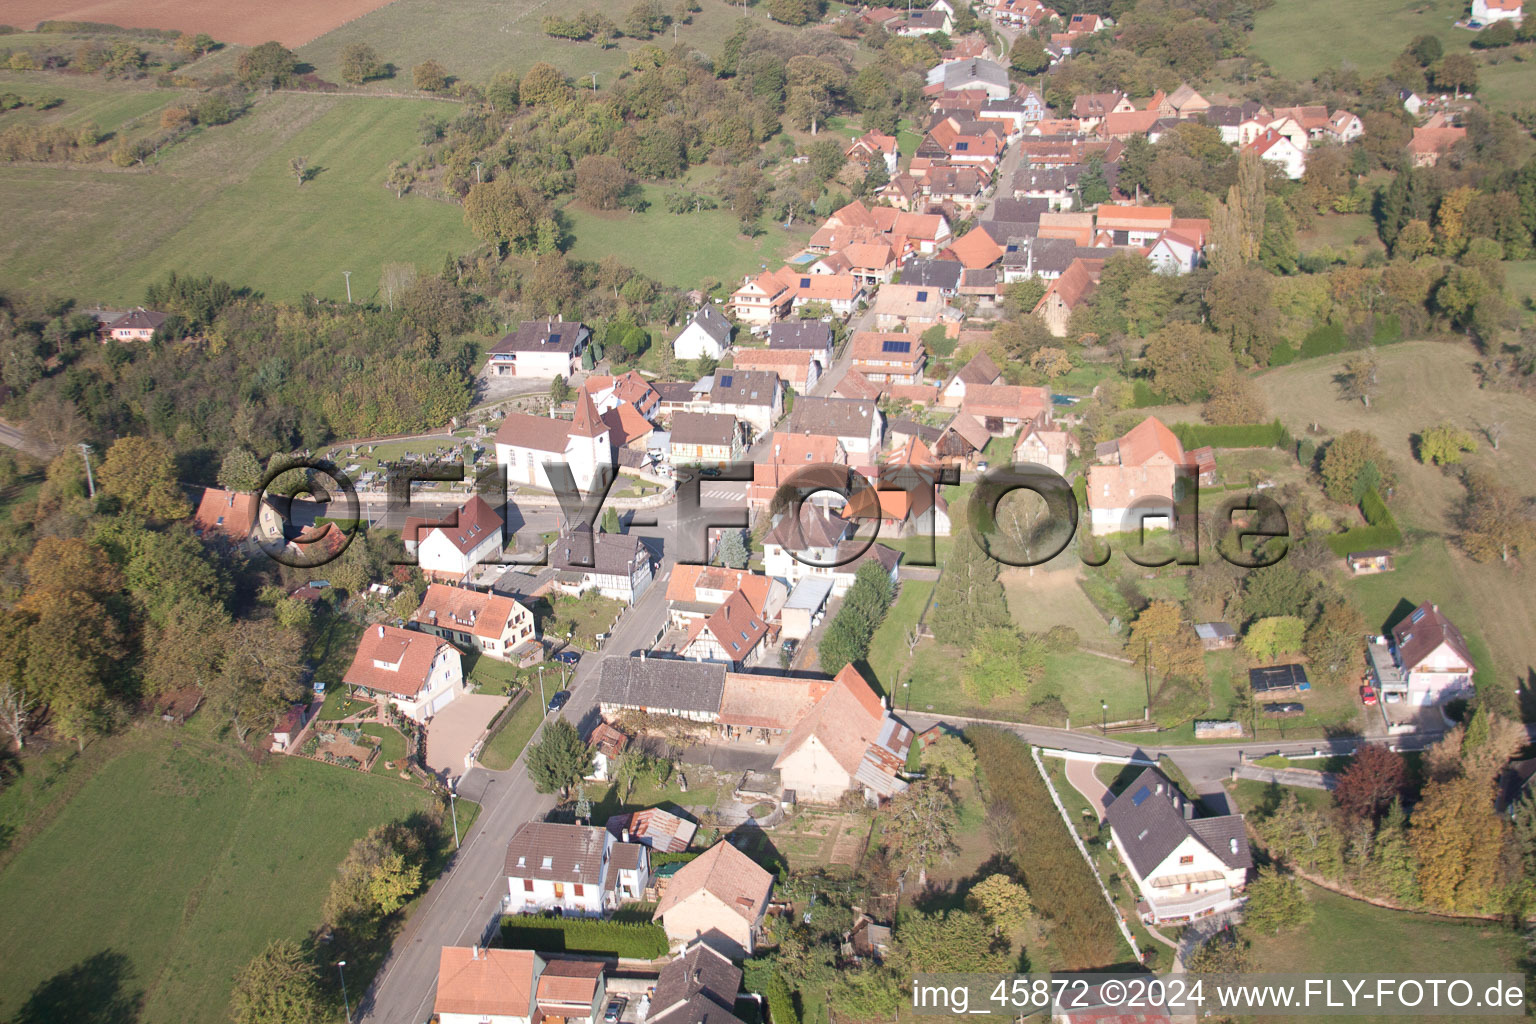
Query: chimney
{"points": [[381, 632], [642, 655], [1232, 845], [474, 952], [624, 836]]}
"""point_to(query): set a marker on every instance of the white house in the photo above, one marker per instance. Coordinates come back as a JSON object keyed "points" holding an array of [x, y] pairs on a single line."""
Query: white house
{"points": [[974, 73], [707, 333], [1430, 664], [857, 424], [541, 349], [452, 547], [1344, 127], [492, 624], [1489, 11], [1280, 150], [576, 869], [753, 396], [526, 444], [848, 743], [1186, 867], [616, 565], [817, 544], [1174, 254], [478, 985], [417, 673], [1045, 447]]}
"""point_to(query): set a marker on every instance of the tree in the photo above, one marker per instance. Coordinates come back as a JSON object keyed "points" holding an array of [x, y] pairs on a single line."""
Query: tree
{"points": [[560, 759], [359, 63], [1222, 953], [543, 85], [1001, 900], [1351, 459], [950, 757], [1456, 72], [1186, 361], [1458, 840], [141, 474], [600, 181], [734, 553], [1273, 637], [1028, 57], [429, 76], [16, 706], [1050, 362], [278, 986], [950, 941], [1276, 901], [240, 470], [1162, 634], [1374, 780], [919, 825], [259, 675], [1442, 445], [968, 597], [1235, 398], [399, 180], [504, 212], [1496, 521], [1000, 661], [299, 167], [794, 12], [267, 66], [1333, 643]]}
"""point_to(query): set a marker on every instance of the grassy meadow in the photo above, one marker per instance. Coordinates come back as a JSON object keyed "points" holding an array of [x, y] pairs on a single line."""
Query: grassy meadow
{"points": [[168, 869], [1368, 36]]}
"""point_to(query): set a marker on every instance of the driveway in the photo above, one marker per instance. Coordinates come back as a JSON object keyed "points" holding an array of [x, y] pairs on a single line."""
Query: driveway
{"points": [[1086, 781], [455, 729]]}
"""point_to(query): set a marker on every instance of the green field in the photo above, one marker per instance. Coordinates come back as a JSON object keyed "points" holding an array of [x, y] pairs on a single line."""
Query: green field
{"points": [[1347, 936], [1339, 231], [1367, 37], [171, 868], [1510, 83], [502, 750], [224, 203], [109, 104], [681, 249]]}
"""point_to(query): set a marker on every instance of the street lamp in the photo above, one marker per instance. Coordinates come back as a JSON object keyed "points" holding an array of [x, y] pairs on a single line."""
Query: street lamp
{"points": [[344, 1000], [541, 689], [453, 797], [1104, 722]]}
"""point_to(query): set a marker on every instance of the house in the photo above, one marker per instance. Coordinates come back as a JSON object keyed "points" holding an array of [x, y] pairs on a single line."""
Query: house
{"points": [[1056, 186], [607, 743], [698, 987], [1125, 125], [840, 292], [1076, 227], [975, 249], [871, 146], [1006, 408], [923, 23], [227, 516], [980, 371], [985, 76], [787, 455], [1133, 225], [804, 608], [926, 233], [526, 446], [733, 634], [660, 686], [848, 743], [816, 543], [1186, 102], [417, 673], [288, 729], [1045, 447], [571, 990], [855, 385], [706, 437], [490, 624], [1281, 150], [627, 389], [1344, 126], [1174, 253], [1368, 563], [628, 430], [1066, 293], [1434, 139], [616, 565], [1412, 102], [798, 368], [1238, 125], [479, 985], [846, 225], [856, 425], [756, 396], [719, 898], [1433, 662], [1091, 108], [682, 396], [707, 333], [942, 276], [661, 831], [1216, 636], [900, 304], [450, 548], [962, 441], [138, 324], [575, 869], [540, 349], [1186, 867], [811, 336], [1142, 475], [1486, 12], [870, 263], [913, 507], [889, 358], [761, 300], [695, 592]]}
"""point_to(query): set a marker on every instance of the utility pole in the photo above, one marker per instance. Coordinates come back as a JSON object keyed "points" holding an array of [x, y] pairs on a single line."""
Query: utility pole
{"points": [[594, 80], [478, 179], [90, 481], [348, 275]]}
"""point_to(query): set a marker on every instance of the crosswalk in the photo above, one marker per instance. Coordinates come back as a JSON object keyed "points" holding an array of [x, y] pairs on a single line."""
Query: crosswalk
{"points": [[722, 493]]}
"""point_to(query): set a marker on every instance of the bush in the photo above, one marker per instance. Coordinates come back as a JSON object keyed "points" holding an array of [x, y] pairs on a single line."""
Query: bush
{"points": [[762, 976], [1245, 435], [1083, 929], [1324, 340], [1142, 396], [1282, 355], [1382, 532], [585, 935]]}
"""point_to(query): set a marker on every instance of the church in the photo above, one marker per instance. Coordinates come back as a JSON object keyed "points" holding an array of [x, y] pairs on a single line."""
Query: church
{"points": [[525, 444]]}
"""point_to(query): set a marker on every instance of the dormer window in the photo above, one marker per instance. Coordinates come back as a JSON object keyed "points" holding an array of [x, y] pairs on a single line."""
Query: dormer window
{"points": [[549, 862]]}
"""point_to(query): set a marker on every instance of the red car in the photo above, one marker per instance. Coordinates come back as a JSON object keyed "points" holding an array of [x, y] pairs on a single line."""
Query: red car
{"points": [[1367, 695]]}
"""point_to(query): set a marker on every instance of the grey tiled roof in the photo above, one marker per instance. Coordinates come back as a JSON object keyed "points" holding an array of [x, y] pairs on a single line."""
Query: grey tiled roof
{"points": [[1150, 826], [661, 683]]}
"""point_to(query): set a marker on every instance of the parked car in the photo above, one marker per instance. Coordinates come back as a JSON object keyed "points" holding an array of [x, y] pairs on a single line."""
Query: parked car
{"points": [[558, 701], [614, 1011], [1367, 695], [568, 656], [790, 646], [1289, 707]]}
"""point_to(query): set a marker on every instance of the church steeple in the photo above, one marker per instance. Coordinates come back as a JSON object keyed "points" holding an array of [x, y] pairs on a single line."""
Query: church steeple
{"points": [[587, 423]]}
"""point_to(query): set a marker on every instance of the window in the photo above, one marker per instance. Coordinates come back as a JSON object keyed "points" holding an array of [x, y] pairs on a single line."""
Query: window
{"points": [[1187, 859], [576, 890], [527, 885]]}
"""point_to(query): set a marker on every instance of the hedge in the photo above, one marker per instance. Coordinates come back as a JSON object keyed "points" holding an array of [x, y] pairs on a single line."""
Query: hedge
{"points": [[1382, 531], [1083, 928], [1243, 435], [1142, 396], [761, 976], [658, 858], [1323, 340], [585, 935]]}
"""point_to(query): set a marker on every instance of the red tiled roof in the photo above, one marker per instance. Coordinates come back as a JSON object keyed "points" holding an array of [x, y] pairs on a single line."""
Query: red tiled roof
{"points": [[727, 874], [485, 982], [468, 611], [228, 514], [411, 652], [975, 249], [1148, 438]]}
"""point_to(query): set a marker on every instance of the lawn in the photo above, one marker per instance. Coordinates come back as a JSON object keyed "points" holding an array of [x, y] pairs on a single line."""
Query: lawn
{"points": [[888, 649], [1374, 32], [701, 795], [1509, 84], [503, 749], [391, 748], [1347, 936], [1520, 281], [681, 249], [109, 104], [1041, 599], [172, 866], [1339, 231], [580, 619], [224, 203], [1255, 797]]}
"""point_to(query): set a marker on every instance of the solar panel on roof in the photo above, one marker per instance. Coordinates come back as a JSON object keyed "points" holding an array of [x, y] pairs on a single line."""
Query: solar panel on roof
{"points": [[922, 296], [891, 345], [725, 381], [1140, 796]]}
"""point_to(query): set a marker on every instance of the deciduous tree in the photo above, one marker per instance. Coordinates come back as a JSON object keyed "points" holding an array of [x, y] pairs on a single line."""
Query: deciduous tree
{"points": [[1235, 398], [141, 473], [1276, 901], [359, 63], [1352, 457], [278, 986], [1374, 780], [1496, 521], [1185, 361]]}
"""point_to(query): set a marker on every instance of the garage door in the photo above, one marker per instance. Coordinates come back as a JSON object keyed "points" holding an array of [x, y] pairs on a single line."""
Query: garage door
{"points": [[442, 701]]}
